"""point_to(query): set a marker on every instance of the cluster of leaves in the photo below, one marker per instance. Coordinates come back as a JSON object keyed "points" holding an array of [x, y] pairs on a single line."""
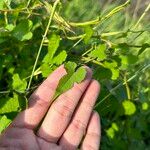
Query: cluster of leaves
{"points": [[38, 36]]}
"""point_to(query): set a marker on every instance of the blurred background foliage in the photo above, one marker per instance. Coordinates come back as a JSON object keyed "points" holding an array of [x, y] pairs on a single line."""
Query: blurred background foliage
{"points": [[115, 45]]}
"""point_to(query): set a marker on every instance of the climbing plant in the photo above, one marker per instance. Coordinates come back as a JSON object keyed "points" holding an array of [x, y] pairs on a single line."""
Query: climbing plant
{"points": [[37, 36]]}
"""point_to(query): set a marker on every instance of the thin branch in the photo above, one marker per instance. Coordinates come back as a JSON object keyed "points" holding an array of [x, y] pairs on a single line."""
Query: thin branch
{"points": [[41, 45], [127, 87], [4, 92], [142, 16]]}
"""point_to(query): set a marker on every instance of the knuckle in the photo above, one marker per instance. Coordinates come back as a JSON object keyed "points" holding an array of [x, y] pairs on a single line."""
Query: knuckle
{"points": [[88, 105], [89, 147], [93, 135], [79, 125], [63, 110], [40, 102], [49, 85], [67, 98], [78, 88]]}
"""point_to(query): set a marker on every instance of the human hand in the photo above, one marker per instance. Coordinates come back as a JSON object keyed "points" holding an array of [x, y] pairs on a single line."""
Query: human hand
{"points": [[68, 123]]}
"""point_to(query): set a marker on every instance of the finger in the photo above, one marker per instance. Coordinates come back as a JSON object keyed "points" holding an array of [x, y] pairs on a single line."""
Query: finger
{"points": [[75, 131], [59, 115], [40, 101], [93, 135]]}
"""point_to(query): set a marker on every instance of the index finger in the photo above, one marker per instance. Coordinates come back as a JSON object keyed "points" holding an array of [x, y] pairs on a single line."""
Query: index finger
{"points": [[40, 101]]}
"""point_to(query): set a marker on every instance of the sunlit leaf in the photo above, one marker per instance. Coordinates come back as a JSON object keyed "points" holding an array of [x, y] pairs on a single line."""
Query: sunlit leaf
{"points": [[4, 122], [2, 3], [88, 33], [129, 107], [53, 45], [115, 126], [99, 52], [18, 84], [46, 69], [73, 76], [145, 106], [113, 67], [111, 131], [10, 27], [9, 105], [60, 58]]}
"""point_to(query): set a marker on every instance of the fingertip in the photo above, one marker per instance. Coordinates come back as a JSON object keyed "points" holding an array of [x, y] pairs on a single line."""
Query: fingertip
{"points": [[95, 84], [89, 72], [95, 116], [60, 70]]}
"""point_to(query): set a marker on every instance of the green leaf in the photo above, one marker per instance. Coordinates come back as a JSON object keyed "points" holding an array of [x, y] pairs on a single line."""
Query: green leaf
{"points": [[145, 106], [113, 67], [18, 84], [111, 131], [10, 27], [73, 76], [129, 107], [101, 73], [9, 105], [115, 74], [132, 59], [2, 3], [46, 69], [124, 62], [4, 123], [115, 127], [53, 45], [60, 58], [99, 53], [22, 30], [27, 36], [144, 47], [89, 32]]}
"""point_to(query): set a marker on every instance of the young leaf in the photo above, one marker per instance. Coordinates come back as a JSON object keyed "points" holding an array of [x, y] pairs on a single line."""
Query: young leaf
{"points": [[89, 32], [22, 30], [129, 107], [111, 131], [2, 3], [99, 52], [18, 84], [50, 59], [113, 67], [9, 105], [53, 45], [10, 27], [4, 122], [46, 69], [60, 58], [73, 76]]}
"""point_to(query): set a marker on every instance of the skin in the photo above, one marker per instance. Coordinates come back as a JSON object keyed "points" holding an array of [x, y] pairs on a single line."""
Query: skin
{"points": [[68, 123]]}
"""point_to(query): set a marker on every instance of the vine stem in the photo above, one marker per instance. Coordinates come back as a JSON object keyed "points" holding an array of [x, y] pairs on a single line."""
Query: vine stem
{"points": [[142, 16], [127, 87], [29, 1], [41, 45]]}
